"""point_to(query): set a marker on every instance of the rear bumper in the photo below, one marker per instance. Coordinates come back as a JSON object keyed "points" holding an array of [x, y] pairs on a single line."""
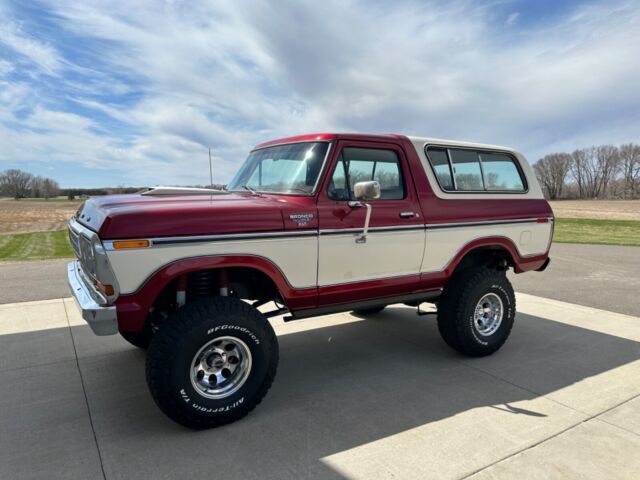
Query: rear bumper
{"points": [[544, 266], [103, 320]]}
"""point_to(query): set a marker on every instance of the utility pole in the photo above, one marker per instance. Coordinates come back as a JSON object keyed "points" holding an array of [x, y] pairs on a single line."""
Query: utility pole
{"points": [[210, 170]]}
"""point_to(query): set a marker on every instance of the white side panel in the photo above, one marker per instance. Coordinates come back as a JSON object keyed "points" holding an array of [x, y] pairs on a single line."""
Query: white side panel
{"points": [[444, 243], [296, 257], [385, 254]]}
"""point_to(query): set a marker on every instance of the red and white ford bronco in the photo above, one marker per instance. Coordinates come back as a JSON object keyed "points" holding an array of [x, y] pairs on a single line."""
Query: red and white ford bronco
{"points": [[312, 225]]}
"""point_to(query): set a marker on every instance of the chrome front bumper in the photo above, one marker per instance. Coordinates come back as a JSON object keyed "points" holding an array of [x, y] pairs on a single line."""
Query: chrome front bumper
{"points": [[102, 319]]}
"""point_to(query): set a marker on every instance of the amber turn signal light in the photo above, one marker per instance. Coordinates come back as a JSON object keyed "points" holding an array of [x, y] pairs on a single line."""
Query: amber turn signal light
{"points": [[119, 244], [106, 289]]}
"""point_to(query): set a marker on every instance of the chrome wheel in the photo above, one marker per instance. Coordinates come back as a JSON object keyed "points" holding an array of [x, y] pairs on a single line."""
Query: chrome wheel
{"points": [[221, 367], [488, 314]]}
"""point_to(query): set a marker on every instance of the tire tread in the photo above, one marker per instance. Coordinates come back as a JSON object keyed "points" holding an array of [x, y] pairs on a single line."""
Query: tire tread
{"points": [[453, 303], [162, 351]]}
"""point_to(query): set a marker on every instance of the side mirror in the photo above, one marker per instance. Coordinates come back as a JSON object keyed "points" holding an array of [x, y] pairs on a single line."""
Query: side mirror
{"points": [[367, 190]]}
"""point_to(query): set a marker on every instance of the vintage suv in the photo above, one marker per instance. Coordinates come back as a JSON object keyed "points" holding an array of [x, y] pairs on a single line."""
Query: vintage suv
{"points": [[312, 225]]}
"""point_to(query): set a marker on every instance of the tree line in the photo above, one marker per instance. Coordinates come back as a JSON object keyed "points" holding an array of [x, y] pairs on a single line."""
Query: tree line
{"points": [[604, 171], [18, 184]]}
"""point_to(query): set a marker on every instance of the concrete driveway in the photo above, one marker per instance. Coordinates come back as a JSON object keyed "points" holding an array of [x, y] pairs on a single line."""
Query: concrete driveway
{"points": [[376, 398]]}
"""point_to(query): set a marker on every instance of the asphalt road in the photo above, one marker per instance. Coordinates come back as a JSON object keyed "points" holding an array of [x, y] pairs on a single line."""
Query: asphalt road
{"points": [[28, 281], [600, 276]]}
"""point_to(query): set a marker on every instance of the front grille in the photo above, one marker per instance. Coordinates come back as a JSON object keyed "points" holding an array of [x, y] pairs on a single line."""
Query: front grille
{"points": [[74, 238], [87, 259], [84, 252]]}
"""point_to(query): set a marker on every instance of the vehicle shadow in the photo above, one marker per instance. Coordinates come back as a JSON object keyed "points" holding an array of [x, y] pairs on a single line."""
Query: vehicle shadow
{"points": [[337, 388]]}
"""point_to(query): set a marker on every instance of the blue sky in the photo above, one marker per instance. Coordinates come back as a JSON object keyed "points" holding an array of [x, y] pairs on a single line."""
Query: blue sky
{"points": [[132, 93]]}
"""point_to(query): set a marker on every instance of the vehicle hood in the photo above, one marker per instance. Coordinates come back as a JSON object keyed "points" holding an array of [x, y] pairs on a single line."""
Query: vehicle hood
{"points": [[135, 216]]}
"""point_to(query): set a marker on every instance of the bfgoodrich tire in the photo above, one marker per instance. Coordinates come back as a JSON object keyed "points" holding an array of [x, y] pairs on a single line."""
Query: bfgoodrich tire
{"points": [[476, 312], [212, 363]]}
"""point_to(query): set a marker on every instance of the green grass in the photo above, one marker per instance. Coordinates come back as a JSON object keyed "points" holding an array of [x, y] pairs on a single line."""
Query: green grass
{"points": [[35, 246], [604, 232]]}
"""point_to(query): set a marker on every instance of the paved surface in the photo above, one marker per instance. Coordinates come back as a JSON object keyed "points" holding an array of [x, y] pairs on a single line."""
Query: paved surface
{"points": [[601, 276], [27, 281], [353, 398]]}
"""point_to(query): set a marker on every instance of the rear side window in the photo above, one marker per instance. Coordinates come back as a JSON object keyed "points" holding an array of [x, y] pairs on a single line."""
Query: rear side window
{"points": [[500, 173], [440, 162], [466, 170]]}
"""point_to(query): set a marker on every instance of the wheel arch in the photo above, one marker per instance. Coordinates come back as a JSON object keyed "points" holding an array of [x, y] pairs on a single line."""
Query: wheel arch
{"points": [[133, 308], [493, 250]]}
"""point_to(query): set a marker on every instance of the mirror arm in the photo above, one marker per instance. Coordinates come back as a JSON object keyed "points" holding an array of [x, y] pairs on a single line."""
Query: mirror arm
{"points": [[363, 238]]}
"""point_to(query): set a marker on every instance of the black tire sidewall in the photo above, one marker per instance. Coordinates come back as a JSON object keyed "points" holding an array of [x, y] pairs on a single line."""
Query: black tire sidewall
{"points": [[499, 286], [256, 340]]}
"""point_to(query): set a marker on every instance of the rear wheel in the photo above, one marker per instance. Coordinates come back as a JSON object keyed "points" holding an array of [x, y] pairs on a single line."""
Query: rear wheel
{"points": [[212, 362], [476, 311], [369, 311]]}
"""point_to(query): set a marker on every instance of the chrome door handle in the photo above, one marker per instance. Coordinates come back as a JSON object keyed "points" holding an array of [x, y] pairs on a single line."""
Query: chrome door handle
{"points": [[407, 214]]}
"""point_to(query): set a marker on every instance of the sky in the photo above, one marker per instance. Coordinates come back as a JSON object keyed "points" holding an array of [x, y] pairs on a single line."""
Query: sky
{"points": [[108, 93]]}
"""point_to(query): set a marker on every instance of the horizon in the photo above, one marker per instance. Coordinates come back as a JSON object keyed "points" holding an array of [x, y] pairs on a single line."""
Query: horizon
{"points": [[102, 93]]}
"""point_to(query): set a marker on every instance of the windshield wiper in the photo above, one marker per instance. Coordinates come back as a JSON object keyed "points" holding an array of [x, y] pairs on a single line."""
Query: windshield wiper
{"points": [[250, 189]]}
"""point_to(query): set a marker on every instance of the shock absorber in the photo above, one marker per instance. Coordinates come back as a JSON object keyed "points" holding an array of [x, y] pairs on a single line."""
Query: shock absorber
{"points": [[181, 291], [223, 281], [200, 284]]}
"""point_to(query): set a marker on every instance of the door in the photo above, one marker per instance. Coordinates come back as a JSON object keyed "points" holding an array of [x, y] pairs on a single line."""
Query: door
{"points": [[388, 262]]}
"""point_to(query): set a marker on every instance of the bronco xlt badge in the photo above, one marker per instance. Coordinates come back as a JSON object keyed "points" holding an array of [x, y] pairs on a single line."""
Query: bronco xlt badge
{"points": [[301, 218]]}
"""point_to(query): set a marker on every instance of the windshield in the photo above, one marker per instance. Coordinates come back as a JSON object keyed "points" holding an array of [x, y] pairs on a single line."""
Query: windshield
{"points": [[288, 169]]}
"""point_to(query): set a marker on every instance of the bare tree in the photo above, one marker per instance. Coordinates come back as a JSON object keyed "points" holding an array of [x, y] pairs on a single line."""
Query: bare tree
{"points": [[607, 167], [36, 186], [15, 183], [630, 166], [578, 170], [552, 171], [50, 188], [593, 169]]}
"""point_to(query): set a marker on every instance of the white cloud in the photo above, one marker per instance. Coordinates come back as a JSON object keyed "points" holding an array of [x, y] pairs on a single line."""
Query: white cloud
{"points": [[513, 18], [233, 74], [41, 55]]}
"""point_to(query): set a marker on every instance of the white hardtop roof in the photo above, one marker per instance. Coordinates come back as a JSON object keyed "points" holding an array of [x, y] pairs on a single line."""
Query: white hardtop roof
{"points": [[456, 143]]}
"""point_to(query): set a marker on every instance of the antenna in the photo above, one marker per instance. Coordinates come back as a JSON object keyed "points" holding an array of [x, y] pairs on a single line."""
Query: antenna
{"points": [[210, 170]]}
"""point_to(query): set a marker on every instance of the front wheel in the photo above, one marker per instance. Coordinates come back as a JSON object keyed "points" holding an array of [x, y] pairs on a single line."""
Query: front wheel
{"points": [[476, 312], [212, 363]]}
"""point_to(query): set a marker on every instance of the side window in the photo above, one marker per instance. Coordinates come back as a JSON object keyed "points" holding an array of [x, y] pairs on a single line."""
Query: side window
{"points": [[440, 161], [364, 164], [475, 171], [466, 170], [500, 173]]}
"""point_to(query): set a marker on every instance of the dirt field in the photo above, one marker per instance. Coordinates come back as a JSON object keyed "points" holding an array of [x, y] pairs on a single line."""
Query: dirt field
{"points": [[35, 216], [598, 209]]}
